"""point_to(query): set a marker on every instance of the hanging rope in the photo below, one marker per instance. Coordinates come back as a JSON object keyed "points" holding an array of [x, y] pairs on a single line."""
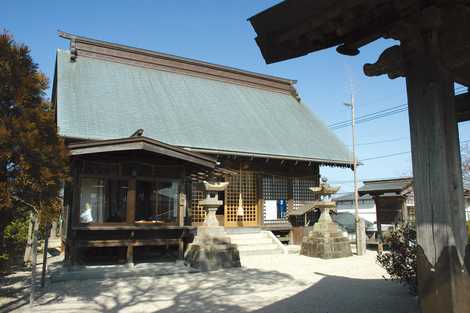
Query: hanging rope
{"points": [[240, 210]]}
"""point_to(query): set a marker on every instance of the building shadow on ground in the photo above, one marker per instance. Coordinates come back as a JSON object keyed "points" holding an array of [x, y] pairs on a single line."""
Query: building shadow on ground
{"points": [[336, 294], [178, 293], [231, 290]]}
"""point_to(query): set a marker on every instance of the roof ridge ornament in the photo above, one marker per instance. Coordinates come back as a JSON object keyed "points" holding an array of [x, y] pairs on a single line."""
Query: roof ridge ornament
{"points": [[138, 133], [73, 50]]}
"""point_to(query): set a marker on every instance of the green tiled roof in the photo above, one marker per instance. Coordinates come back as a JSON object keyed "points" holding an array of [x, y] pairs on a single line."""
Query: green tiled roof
{"points": [[99, 99]]}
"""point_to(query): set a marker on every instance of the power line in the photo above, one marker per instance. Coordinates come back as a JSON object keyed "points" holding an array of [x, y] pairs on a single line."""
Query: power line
{"points": [[368, 115], [384, 113], [392, 140], [396, 154], [386, 156], [381, 141], [371, 116]]}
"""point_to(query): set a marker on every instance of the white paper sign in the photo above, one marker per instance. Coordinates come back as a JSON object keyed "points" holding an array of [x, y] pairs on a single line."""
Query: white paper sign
{"points": [[270, 209]]}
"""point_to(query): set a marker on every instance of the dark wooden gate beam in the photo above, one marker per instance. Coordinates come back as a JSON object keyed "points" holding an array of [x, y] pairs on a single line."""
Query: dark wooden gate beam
{"points": [[443, 279], [430, 57]]}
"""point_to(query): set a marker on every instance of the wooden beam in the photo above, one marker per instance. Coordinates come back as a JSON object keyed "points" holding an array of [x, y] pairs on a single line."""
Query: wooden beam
{"points": [[443, 278], [127, 243]]}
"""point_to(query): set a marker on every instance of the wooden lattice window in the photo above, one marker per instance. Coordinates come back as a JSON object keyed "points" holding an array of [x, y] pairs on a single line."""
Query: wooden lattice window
{"points": [[198, 213], [275, 196], [232, 194], [301, 191]]}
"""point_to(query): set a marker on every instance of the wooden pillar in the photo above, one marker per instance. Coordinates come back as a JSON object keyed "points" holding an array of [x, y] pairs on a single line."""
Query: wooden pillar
{"points": [[443, 279], [181, 249], [404, 210], [380, 238], [260, 199], [181, 204], [130, 254], [290, 196], [74, 214], [378, 215], [131, 198]]}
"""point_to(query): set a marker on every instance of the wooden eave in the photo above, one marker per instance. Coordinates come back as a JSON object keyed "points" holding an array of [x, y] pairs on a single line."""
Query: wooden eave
{"points": [[87, 47], [386, 187], [295, 28], [329, 162], [142, 144]]}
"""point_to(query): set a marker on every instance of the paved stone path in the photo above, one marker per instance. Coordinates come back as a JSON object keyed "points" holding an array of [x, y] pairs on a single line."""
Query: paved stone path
{"points": [[269, 284]]}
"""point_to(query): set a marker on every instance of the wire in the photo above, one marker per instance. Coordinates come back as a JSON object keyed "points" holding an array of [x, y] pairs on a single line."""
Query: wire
{"points": [[398, 153], [386, 156], [367, 115], [371, 116], [381, 141], [384, 113]]}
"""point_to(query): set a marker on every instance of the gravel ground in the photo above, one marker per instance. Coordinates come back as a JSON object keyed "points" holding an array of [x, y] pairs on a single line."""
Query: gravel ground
{"points": [[268, 284]]}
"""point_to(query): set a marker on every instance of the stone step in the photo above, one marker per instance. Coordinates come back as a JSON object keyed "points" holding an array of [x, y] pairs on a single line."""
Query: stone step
{"points": [[259, 252], [254, 242], [253, 236], [271, 246], [293, 249], [242, 230], [251, 241]]}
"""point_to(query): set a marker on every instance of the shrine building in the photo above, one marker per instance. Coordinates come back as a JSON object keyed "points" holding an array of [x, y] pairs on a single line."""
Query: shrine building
{"points": [[144, 129]]}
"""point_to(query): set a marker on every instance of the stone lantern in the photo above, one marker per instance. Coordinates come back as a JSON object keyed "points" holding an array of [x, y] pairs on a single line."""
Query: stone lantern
{"points": [[326, 240], [211, 248]]}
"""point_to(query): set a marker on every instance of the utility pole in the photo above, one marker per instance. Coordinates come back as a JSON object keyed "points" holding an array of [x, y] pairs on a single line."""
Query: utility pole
{"points": [[360, 240]]}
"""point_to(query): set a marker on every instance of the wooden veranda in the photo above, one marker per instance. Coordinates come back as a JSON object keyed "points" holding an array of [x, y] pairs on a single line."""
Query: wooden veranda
{"points": [[433, 54]]}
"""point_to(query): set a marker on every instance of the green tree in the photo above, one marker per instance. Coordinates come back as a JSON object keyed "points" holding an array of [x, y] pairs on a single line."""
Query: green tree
{"points": [[33, 158]]}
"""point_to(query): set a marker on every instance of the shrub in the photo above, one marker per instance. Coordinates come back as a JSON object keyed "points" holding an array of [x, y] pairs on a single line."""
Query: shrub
{"points": [[15, 238], [400, 259]]}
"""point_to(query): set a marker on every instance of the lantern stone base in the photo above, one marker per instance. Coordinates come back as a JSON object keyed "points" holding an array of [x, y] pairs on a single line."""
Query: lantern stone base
{"points": [[326, 240], [212, 253], [212, 249], [326, 246]]}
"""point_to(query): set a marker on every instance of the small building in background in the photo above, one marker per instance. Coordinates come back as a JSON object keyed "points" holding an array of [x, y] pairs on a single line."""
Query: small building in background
{"points": [[367, 210]]}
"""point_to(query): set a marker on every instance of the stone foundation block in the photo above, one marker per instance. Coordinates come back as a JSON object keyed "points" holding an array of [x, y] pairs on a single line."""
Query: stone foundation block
{"points": [[211, 256]]}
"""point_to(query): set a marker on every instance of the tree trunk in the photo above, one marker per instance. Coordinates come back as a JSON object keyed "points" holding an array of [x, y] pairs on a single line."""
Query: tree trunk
{"points": [[34, 257], [27, 251], [44, 258]]}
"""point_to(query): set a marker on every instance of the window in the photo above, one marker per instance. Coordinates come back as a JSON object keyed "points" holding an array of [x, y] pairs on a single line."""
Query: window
{"points": [[103, 200], [156, 202]]}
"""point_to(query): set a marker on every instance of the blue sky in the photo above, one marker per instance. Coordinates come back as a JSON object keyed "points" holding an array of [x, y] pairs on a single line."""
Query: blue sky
{"points": [[218, 32]]}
